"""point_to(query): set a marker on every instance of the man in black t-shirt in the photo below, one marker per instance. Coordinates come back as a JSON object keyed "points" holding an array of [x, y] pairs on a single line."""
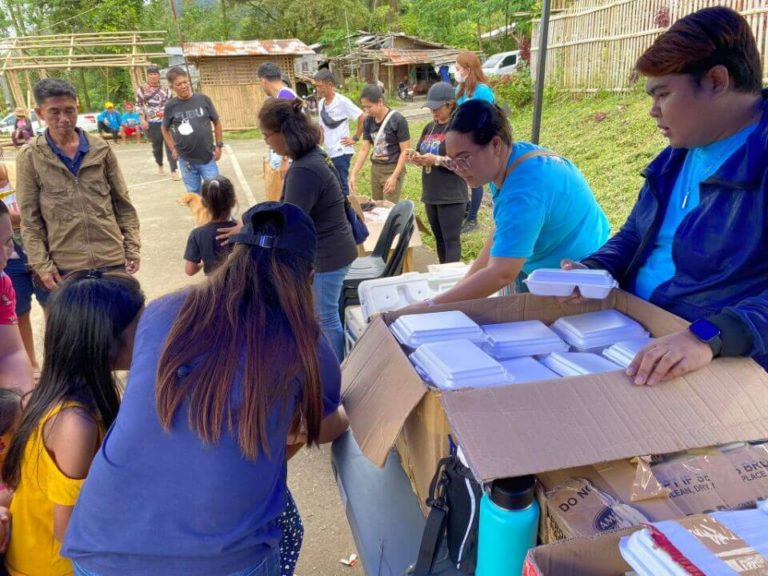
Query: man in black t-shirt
{"points": [[187, 123]]}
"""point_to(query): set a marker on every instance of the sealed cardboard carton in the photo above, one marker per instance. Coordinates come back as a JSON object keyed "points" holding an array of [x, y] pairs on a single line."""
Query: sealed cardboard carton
{"points": [[537, 427]]}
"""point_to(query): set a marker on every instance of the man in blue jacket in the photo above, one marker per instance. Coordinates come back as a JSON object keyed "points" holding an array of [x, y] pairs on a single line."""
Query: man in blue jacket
{"points": [[696, 241]]}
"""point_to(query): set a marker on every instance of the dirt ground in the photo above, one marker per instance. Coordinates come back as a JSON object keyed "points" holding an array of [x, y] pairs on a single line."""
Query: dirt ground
{"points": [[164, 230]]}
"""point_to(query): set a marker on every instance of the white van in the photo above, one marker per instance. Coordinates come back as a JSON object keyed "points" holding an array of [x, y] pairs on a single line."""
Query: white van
{"points": [[501, 63], [7, 123]]}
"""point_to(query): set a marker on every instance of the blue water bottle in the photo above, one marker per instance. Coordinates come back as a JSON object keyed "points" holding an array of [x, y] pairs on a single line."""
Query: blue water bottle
{"points": [[509, 523]]}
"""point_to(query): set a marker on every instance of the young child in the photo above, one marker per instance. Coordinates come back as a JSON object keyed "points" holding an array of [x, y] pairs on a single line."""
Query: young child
{"points": [[89, 333], [203, 250]]}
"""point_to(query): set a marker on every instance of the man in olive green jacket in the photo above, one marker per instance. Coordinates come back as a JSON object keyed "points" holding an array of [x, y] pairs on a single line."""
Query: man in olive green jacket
{"points": [[75, 210]]}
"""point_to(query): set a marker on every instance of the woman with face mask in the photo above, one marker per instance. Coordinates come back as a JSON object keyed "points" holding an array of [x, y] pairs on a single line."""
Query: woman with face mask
{"points": [[472, 85]]}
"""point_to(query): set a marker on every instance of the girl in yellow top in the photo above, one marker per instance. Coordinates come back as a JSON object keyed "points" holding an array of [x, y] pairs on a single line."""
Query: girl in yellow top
{"points": [[91, 323]]}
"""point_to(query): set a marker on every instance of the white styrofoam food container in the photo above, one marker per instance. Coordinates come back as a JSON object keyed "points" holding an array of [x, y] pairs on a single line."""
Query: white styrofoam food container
{"points": [[458, 364], [524, 338], [523, 370], [597, 330], [414, 330], [556, 282], [578, 363]]}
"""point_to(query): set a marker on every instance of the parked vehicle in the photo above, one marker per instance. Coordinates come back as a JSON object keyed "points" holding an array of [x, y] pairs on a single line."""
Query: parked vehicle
{"points": [[501, 63], [7, 123], [405, 92], [88, 122]]}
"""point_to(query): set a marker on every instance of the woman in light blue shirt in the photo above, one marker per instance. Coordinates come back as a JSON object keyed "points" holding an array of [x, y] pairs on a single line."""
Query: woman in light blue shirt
{"points": [[544, 210], [472, 85]]}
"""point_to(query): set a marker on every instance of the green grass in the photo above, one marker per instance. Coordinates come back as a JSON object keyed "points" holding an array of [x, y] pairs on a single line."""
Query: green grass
{"points": [[610, 137]]}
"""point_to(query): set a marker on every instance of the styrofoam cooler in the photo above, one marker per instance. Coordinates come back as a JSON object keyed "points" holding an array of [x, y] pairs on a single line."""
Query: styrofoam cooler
{"points": [[392, 293], [354, 326], [395, 292]]}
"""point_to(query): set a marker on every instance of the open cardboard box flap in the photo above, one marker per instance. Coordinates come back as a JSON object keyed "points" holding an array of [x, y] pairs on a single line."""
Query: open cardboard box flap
{"points": [[597, 556], [542, 426]]}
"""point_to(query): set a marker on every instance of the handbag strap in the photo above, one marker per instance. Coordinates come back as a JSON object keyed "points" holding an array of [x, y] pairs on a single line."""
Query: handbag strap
{"points": [[381, 128], [523, 158], [434, 530]]}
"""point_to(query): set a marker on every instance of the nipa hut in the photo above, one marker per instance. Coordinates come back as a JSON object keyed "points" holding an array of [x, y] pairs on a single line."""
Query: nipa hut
{"points": [[228, 74]]}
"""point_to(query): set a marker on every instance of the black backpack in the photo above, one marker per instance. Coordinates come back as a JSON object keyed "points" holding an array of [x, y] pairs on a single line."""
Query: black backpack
{"points": [[454, 501]]}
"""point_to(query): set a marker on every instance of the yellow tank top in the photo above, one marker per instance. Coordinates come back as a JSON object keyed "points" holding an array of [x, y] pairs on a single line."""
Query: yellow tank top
{"points": [[33, 548]]}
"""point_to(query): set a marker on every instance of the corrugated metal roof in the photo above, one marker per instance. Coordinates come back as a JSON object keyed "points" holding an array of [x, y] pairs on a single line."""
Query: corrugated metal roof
{"points": [[291, 47], [401, 57]]}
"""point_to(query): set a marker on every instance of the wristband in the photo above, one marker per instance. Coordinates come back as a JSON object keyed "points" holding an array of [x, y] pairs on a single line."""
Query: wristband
{"points": [[430, 302]]}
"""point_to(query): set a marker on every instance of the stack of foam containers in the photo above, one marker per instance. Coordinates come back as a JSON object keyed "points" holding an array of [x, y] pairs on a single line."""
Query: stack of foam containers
{"points": [[508, 340], [414, 330], [594, 331], [454, 364], [578, 363]]}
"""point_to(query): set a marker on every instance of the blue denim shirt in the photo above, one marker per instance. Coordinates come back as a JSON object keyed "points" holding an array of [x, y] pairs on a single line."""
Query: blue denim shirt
{"points": [[720, 249]]}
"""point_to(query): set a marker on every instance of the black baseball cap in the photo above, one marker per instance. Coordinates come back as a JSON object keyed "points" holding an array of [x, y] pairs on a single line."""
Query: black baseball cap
{"points": [[298, 233], [153, 69], [439, 94]]}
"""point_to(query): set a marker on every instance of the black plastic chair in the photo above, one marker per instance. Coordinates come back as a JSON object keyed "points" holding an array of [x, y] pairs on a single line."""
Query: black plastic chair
{"points": [[384, 261]]}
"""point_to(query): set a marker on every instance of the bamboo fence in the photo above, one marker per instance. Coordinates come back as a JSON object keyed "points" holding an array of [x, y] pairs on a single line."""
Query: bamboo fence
{"points": [[594, 44]]}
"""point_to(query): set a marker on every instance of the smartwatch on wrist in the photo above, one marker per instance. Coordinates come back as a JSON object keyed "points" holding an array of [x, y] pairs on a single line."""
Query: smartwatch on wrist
{"points": [[219, 144], [356, 138], [708, 333]]}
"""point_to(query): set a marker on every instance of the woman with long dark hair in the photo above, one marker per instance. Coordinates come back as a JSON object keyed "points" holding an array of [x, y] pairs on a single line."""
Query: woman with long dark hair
{"points": [[312, 183], [89, 334], [472, 84], [191, 479]]}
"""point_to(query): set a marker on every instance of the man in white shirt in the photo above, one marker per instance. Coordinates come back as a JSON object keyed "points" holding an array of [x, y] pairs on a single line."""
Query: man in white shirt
{"points": [[335, 111]]}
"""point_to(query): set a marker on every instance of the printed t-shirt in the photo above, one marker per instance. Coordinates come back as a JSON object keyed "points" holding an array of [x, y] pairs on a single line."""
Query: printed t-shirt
{"points": [[160, 503], [152, 101], [386, 149], [439, 185], [189, 122], [545, 212]]}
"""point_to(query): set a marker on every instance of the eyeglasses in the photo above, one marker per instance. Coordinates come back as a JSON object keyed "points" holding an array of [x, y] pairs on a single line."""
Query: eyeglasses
{"points": [[462, 164]]}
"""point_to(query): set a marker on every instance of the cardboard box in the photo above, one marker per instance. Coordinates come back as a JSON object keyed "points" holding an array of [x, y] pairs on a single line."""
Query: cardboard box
{"points": [[375, 228], [597, 556], [550, 425], [613, 478]]}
